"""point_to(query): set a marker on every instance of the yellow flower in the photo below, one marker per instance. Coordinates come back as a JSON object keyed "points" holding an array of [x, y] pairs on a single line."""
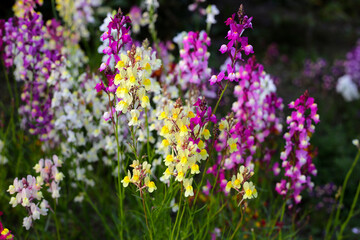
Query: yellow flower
{"points": [[183, 130], [147, 67], [150, 184], [164, 130], [165, 143], [204, 155], [188, 187], [145, 101], [191, 114], [228, 186], [201, 144], [195, 169], [184, 160], [162, 116], [206, 134], [223, 125], [168, 160], [126, 181], [168, 172], [147, 84], [117, 79], [135, 164], [134, 121], [122, 106], [250, 191], [232, 144], [120, 64]]}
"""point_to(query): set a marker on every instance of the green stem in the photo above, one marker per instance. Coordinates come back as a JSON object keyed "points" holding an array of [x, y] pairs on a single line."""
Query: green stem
{"points": [[120, 190], [177, 215], [148, 135], [281, 219], [182, 214], [7, 80], [146, 219], [351, 213], [99, 214], [275, 220], [238, 225], [56, 222], [54, 9], [221, 95], [336, 220]]}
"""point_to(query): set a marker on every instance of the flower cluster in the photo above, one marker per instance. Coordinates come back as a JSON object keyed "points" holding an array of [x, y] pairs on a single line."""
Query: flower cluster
{"points": [[236, 45], [23, 7], [28, 192], [77, 14], [140, 176], [240, 183], [80, 124], [116, 35], [194, 56], [5, 234], [50, 175], [132, 82], [297, 156], [35, 50], [254, 119], [184, 141]]}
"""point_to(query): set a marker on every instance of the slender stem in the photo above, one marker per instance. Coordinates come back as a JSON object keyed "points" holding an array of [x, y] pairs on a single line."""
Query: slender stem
{"points": [[351, 213], [177, 215], [54, 9], [115, 126], [99, 214], [148, 134], [336, 220], [7, 79], [238, 225], [281, 219], [221, 95], [56, 222], [146, 219], [182, 214], [275, 220]]}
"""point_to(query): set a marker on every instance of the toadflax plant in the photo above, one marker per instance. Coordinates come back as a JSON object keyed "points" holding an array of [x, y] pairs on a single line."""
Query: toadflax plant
{"points": [[297, 155], [28, 190]]}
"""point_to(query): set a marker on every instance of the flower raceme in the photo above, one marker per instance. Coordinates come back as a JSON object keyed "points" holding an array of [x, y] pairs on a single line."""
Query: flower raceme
{"points": [[115, 38], [240, 180], [243, 134], [28, 190], [132, 82], [297, 156], [185, 134], [236, 45], [140, 176]]}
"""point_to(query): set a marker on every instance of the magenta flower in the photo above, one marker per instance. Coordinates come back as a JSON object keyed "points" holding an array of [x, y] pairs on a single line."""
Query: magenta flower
{"points": [[297, 156]]}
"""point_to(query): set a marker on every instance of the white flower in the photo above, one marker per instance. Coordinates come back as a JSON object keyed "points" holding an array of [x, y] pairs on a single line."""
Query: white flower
{"points": [[27, 222], [134, 119], [347, 88], [211, 12]]}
